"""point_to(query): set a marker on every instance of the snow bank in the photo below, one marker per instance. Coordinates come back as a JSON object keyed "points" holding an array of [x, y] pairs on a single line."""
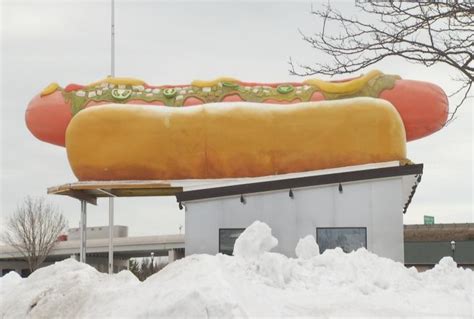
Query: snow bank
{"points": [[266, 284], [307, 248], [254, 241]]}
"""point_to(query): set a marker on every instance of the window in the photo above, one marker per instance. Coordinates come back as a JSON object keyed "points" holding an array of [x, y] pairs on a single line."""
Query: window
{"points": [[348, 238], [227, 237], [6, 271], [25, 272]]}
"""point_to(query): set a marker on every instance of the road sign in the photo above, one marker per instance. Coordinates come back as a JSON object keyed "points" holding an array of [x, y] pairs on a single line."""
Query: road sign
{"points": [[428, 220]]}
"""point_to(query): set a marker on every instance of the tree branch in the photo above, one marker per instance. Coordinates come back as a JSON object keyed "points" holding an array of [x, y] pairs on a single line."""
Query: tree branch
{"points": [[422, 32]]}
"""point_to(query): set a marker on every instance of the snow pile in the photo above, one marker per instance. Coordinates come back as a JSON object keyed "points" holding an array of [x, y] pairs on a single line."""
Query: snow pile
{"points": [[254, 241], [253, 283], [307, 248]]}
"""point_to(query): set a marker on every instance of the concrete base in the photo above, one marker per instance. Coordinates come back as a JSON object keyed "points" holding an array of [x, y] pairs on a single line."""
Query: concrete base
{"points": [[175, 254]]}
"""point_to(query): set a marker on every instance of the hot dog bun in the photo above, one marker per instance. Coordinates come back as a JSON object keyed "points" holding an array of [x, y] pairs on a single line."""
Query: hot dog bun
{"points": [[120, 142]]}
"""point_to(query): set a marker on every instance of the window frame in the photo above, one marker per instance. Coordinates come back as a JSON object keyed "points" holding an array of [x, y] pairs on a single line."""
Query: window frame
{"points": [[219, 238], [346, 227]]}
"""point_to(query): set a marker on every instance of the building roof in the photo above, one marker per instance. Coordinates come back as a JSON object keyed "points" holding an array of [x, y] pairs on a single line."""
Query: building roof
{"points": [[91, 190], [256, 185], [199, 189], [440, 232]]}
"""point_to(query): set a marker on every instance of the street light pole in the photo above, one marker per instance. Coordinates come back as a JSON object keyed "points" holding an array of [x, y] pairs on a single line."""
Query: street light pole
{"points": [[453, 248], [152, 268]]}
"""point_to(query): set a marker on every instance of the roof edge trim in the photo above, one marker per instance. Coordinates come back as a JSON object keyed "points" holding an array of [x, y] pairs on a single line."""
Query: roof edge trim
{"points": [[343, 177]]}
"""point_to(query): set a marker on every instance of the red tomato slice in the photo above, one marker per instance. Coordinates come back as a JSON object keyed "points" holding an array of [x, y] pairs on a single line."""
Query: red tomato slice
{"points": [[73, 87]]}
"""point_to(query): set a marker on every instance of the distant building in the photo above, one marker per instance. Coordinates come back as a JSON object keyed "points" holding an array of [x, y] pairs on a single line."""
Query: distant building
{"points": [[425, 245], [125, 248], [97, 232]]}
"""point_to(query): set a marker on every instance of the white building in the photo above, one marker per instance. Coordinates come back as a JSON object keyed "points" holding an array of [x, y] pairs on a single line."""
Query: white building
{"points": [[358, 206], [98, 232]]}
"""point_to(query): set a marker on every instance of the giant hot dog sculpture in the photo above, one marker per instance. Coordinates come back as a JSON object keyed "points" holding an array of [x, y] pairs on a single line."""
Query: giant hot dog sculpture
{"points": [[219, 136]]}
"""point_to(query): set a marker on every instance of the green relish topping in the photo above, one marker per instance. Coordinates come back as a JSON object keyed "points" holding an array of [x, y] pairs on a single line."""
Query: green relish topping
{"points": [[285, 89], [121, 94], [113, 93], [169, 93], [230, 85]]}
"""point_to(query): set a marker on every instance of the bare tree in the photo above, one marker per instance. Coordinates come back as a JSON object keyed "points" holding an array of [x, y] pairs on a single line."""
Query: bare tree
{"points": [[33, 230], [426, 32], [145, 267]]}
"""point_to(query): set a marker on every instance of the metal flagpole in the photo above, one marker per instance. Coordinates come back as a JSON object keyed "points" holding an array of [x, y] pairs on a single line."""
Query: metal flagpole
{"points": [[112, 47], [111, 199]]}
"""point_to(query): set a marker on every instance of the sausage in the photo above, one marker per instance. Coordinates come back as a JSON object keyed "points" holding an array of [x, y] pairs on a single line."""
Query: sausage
{"points": [[423, 106]]}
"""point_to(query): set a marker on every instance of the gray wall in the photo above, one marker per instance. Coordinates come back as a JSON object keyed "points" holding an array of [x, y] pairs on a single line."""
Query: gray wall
{"points": [[430, 252], [375, 204]]}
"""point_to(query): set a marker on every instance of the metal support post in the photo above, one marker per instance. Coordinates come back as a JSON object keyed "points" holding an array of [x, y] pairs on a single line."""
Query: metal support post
{"points": [[111, 235], [82, 255]]}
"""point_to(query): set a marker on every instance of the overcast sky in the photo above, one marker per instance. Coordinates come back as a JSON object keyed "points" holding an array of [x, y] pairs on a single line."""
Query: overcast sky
{"points": [[177, 42]]}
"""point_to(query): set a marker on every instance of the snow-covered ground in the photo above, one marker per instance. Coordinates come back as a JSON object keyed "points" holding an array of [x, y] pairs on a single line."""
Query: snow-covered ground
{"points": [[253, 283]]}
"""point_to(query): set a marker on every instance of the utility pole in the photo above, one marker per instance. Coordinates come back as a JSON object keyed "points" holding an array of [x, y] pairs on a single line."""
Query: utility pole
{"points": [[111, 198]]}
